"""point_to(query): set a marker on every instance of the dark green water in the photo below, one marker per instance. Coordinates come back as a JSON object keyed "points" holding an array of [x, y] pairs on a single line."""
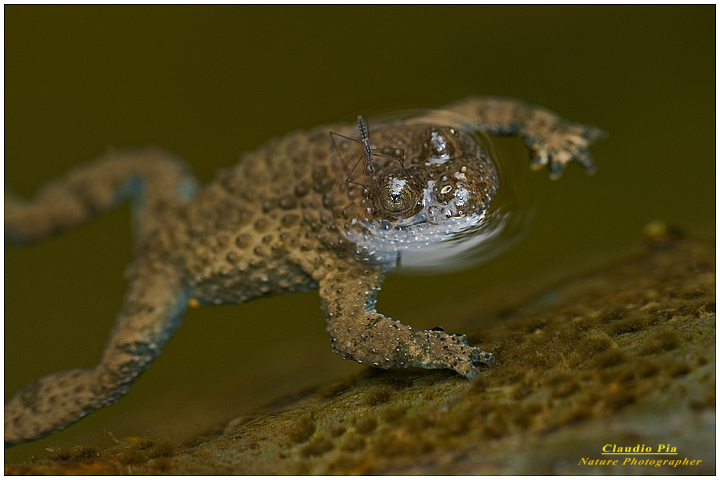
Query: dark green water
{"points": [[211, 82]]}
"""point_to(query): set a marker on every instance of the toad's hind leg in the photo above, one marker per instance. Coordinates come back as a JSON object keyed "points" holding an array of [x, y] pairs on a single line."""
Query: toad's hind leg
{"points": [[151, 312], [152, 308], [155, 179]]}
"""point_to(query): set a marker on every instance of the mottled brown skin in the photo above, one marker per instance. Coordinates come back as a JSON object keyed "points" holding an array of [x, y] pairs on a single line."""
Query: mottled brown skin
{"points": [[284, 219]]}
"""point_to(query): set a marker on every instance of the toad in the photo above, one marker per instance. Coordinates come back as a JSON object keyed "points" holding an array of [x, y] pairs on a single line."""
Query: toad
{"points": [[309, 211]]}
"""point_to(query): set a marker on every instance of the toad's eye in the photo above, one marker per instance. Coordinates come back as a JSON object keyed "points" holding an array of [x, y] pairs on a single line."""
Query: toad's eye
{"points": [[397, 195], [438, 144]]}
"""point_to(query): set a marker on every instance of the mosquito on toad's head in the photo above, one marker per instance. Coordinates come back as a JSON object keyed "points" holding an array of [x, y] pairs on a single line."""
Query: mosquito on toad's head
{"points": [[365, 139], [368, 151]]}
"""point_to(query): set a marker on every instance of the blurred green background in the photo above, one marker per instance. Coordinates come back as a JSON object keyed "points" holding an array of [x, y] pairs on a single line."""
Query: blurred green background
{"points": [[210, 82]]}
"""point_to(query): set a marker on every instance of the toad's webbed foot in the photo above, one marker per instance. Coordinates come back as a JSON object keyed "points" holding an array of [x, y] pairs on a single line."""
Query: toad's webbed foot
{"points": [[553, 141], [451, 351], [561, 143], [359, 333]]}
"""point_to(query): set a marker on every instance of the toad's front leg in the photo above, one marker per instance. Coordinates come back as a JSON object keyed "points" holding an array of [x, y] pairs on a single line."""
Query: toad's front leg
{"points": [[553, 141], [358, 332]]}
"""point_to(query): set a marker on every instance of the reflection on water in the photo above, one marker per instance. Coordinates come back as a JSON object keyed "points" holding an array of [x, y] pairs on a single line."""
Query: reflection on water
{"points": [[501, 226]]}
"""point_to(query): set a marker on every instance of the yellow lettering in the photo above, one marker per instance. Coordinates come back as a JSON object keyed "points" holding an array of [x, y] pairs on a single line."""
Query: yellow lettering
{"points": [[608, 448], [597, 461]]}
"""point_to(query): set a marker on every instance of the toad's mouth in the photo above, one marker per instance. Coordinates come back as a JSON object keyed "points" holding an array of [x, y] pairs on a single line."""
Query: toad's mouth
{"points": [[383, 241], [442, 236]]}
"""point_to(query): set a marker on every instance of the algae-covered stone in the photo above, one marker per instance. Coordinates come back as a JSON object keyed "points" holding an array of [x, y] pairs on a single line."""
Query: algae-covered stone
{"points": [[622, 357]]}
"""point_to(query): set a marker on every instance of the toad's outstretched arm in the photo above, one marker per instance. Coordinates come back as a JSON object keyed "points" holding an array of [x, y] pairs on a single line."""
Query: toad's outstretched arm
{"points": [[360, 333], [552, 140]]}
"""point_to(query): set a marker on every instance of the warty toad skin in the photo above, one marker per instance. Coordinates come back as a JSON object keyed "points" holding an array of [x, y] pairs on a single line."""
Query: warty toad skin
{"points": [[301, 212]]}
